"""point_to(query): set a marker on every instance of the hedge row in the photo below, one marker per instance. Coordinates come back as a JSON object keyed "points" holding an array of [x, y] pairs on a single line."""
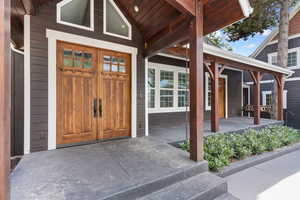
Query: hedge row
{"points": [[220, 149]]}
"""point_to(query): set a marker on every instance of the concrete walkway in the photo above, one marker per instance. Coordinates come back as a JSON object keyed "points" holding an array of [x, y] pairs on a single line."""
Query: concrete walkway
{"points": [[278, 179]]}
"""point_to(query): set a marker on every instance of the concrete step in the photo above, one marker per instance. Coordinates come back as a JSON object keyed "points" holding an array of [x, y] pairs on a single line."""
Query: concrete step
{"points": [[226, 196], [205, 186], [143, 189]]}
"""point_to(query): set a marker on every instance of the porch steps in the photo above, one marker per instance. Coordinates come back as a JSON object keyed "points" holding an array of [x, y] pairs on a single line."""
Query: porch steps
{"points": [[193, 183], [205, 186]]}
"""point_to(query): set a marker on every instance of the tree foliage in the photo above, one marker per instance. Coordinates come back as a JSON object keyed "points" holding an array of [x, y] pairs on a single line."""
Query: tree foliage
{"points": [[218, 41], [266, 14]]}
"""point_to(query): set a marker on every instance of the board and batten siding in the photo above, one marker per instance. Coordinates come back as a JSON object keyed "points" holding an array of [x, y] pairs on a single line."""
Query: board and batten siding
{"points": [[175, 118], [45, 18]]}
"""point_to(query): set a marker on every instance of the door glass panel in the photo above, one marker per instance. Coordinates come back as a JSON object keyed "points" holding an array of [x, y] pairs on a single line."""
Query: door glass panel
{"points": [[122, 69], [114, 68], [114, 60], [121, 61], [106, 58], [77, 59], [68, 58], [106, 67], [88, 60]]}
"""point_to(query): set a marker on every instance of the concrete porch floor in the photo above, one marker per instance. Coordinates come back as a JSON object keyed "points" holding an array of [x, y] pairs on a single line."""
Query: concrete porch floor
{"points": [[96, 171], [174, 133]]}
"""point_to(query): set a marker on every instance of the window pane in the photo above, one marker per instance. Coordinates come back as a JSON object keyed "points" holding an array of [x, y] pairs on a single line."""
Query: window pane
{"points": [[76, 12], [151, 98], [166, 98], [268, 99], [114, 68], [114, 22], [183, 80], [151, 78], [166, 79], [106, 67], [209, 98], [77, 59], [122, 69], [274, 60], [68, 58], [88, 60], [292, 59], [183, 98]]}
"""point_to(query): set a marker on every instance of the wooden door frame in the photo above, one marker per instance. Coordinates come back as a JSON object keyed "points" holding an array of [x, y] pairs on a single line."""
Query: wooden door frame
{"points": [[225, 77], [54, 36]]}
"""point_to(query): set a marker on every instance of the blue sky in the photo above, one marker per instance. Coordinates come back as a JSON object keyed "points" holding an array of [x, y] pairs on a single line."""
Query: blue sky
{"points": [[247, 47]]}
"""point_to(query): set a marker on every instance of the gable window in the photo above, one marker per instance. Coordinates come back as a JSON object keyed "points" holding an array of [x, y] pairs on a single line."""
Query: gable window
{"points": [[292, 59], [76, 13], [115, 23], [168, 88]]}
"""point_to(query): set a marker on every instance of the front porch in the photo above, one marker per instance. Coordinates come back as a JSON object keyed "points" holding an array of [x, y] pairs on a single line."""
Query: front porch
{"points": [[174, 132], [123, 169]]}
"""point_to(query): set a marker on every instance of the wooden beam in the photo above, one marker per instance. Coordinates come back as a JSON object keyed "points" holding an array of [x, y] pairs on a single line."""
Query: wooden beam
{"points": [[184, 6], [167, 38], [209, 70], [215, 121], [280, 90], [222, 69], [5, 95], [256, 97], [196, 85], [28, 7]]}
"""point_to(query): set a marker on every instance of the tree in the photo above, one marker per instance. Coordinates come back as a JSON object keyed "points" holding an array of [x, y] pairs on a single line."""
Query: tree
{"points": [[216, 40], [266, 15]]}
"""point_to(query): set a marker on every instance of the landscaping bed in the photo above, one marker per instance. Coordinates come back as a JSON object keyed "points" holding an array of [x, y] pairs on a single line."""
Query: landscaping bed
{"points": [[221, 150]]}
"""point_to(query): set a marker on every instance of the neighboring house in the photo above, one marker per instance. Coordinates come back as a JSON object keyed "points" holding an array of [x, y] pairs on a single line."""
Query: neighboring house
{"points": [[267, 52], [87, 79]]}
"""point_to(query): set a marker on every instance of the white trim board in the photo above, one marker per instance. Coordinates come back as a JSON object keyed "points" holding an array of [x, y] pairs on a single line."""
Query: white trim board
{"points": [[53, 36], [146, 99], [59, 21], [272, 81], [123, 18], [27, 89], [264, 98]]}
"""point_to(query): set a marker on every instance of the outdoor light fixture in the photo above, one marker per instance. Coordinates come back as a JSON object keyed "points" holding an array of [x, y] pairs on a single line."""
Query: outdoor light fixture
{"points": [[136, 8]]}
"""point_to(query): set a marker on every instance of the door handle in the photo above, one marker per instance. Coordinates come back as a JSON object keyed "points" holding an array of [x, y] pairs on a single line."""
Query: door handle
{"points": [[95, 108], [100, 107]]}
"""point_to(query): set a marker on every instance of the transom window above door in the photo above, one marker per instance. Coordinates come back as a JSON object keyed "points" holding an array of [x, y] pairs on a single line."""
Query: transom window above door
{"points": [[76, 13], [115, 23]]}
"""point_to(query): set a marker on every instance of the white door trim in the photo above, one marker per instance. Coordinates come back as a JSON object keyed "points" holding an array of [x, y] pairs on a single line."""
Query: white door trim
{"points": [[27, 80], [53, 36]]}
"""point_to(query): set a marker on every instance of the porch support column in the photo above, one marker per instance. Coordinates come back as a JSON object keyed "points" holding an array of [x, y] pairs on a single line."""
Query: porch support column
{"points": [[196, 84], [280, 89], [257, 78], [5, 93], [215, 98]]}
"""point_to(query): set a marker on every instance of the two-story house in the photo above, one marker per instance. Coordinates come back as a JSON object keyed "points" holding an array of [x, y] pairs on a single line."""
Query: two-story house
{"points": [[267, 52]]}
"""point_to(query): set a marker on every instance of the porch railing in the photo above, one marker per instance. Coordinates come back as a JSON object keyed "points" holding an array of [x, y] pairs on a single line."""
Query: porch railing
{"points": [[264, 109]]}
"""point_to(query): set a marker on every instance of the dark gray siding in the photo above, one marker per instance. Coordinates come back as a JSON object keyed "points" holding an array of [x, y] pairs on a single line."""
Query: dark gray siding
{"points": [[46, 19], [17, 104], [234, 96]]}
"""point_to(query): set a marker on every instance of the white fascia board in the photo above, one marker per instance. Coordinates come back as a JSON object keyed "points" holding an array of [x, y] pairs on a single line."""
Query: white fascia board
{"points": [[246, 7], [243, 59]]}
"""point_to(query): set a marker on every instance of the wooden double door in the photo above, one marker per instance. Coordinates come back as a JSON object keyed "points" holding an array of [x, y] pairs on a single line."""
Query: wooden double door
{"points": [[93, 94]]}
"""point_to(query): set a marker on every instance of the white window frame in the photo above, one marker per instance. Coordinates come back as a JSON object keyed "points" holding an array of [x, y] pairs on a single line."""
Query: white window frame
{"points": [[264, 98], [162, 67], [208, 107], [297, 50], [122, 16], [59, 21]]}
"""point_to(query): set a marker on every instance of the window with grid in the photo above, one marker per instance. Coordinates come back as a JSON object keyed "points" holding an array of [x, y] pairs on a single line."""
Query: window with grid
{"points": [[166, 89], [292, 59], [183, 93], [274, 60], [151, 88], [208, 92], [268, 99]]}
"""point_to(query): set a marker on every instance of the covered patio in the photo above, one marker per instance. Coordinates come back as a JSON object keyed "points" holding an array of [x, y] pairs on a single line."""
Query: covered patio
{"points": [[175, 132]]}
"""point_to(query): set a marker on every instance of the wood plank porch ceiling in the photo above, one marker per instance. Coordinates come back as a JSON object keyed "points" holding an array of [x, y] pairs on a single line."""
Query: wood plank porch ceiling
{"points": [[156, 19]]}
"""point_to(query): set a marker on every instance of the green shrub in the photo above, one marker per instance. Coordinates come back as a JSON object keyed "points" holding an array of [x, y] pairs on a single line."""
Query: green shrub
{"points": [[219, 149]]}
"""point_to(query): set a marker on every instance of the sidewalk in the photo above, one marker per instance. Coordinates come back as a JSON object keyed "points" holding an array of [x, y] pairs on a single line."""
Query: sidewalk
{"points": [[278, 179]]}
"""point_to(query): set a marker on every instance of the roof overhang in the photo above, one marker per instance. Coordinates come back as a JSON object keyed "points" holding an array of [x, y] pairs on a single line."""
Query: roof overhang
{"points": [[255, 64]]}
